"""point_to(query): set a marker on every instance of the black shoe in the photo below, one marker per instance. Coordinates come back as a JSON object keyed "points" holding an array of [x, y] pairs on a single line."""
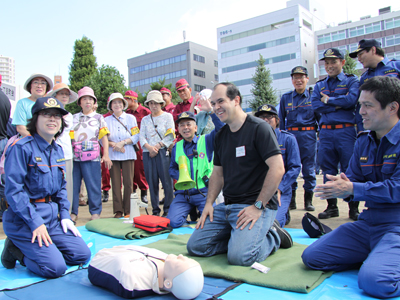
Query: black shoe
{"points": [[143, 196], [308, 201], [165, 214], [286, 239], [292, 204], [162, 201], [105, 196], [353, 210], [156, 214], [288, 218], [330, 212], [193, 214], [11, 254]]}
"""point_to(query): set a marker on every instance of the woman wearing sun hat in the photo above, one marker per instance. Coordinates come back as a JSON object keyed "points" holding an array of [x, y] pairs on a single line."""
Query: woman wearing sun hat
{"points": [[157, 132], [124, 133], [89, 128], [40, 233], [37, 85], [63, 93]]}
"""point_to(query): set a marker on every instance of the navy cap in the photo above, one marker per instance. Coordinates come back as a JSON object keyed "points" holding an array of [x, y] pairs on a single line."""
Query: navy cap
{"points": [[186, 115], [365, 44], [313, 227], [266, 108], [299, 70], [48, 103], [332, 53]]}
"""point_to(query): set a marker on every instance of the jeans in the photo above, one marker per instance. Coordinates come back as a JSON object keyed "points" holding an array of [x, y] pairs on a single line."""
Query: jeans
{"points": [[181, 207], [90, 171], [244, 247]]}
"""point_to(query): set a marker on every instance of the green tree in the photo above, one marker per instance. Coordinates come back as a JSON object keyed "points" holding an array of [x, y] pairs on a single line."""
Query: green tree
{"points": [[105, 81], [157, 86], [83, 65], [350, 67], [262, 86]]}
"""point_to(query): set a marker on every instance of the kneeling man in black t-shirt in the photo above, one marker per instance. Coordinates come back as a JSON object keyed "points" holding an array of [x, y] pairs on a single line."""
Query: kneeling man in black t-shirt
{"points": [[245, 150]]}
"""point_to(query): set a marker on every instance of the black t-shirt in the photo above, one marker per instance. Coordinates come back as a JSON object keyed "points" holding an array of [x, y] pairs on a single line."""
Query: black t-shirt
{"points": [[242, 155], [5, 107]]}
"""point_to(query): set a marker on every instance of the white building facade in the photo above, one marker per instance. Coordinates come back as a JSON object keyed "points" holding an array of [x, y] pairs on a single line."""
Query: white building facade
{"points": [[285, 38], [7, 69]]}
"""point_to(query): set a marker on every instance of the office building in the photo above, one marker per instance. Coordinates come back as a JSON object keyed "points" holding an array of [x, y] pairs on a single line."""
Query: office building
{"points": [[7, 69], [285, 38], [385, 28], [194, 62]]}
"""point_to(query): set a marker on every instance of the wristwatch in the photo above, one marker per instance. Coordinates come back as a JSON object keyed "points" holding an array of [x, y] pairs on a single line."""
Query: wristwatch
{"points": [[125, 142], [259, 205]]}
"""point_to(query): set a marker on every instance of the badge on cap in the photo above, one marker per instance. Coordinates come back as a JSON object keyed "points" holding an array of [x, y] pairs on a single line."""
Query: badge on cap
{"points": [[51, 102], [329, 52], [184, 115], [266, 108], [298, 70]]}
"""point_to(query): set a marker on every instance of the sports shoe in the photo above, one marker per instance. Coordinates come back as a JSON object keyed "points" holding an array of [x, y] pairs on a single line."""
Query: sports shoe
{"points": [[286, 239], [105, 196], [11, 254]]}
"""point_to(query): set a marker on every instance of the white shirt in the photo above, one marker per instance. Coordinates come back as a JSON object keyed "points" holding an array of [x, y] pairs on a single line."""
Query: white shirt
{"points": [[64, 140]]}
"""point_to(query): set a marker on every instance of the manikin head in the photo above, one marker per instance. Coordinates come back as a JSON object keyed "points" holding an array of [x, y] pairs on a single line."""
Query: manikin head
{"points": [[183, 277]]}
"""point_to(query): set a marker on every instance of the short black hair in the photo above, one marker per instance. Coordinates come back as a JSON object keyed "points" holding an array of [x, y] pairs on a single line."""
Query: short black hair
{"points": [[31, 126], [385, 90], [379, 51], [231, 90]]}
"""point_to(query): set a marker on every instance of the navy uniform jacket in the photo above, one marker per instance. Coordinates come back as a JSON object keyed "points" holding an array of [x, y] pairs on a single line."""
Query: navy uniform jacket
{"points": [[385, 67], [291, 159], [375, 171], [188, 149], [35, 169], [343, 93], [296, 109]]}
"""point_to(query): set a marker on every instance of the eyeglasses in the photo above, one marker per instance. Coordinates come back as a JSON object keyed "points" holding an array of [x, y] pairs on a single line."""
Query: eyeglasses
{"points": [[267, 117], [182, 125], [48, 115], [37, 82]]}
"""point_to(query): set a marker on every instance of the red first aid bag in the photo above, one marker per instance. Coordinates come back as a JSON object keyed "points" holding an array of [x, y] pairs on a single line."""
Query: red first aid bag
{"points": [[152, 223]]}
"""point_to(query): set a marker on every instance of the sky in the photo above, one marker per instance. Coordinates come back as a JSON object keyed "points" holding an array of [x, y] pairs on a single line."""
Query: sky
{"points": [[40, 34]]}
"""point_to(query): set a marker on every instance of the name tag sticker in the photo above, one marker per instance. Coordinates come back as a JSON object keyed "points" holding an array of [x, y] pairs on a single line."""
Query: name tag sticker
{"points": [[240, 151]]}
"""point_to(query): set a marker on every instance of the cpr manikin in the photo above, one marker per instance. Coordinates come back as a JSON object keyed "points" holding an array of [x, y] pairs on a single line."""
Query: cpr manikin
{"points": [[136, 271]]}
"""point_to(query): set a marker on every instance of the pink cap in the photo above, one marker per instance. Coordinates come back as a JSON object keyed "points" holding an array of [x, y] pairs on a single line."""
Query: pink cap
{"points": [[164, 90], [181, 84], [86, 91], [131, 94]]}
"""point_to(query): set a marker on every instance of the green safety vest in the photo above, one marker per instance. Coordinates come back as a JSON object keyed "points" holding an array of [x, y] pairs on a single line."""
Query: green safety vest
{"points": [[201, 163]]}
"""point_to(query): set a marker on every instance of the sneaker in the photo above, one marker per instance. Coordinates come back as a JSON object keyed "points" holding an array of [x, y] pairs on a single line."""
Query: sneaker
{"points": [[11, 254], [286, 239], [105, 195]]}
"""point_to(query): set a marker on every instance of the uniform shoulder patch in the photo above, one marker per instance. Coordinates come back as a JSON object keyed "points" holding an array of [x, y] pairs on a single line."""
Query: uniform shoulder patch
{"points": [[23, 140], [321, 80], [350, 75], [362, 133]]}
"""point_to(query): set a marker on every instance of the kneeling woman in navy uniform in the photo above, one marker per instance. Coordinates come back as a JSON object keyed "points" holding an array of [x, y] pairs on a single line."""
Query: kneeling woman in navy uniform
{"points": [[40, 233]]}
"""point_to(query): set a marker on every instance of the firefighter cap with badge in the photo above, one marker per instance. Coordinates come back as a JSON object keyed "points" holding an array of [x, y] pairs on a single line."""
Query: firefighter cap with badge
{"points": [[48, 103]]}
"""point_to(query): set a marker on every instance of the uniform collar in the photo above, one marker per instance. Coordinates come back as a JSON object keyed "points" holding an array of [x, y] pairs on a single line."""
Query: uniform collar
{"points": [[42, 143], [189, 101], [384, 61], [277, 132], [340, 77], [295, 93], [195, 139], [393, 136]]}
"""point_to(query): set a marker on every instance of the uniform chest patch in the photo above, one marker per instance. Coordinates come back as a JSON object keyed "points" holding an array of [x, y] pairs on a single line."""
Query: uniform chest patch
{"points": [[37, 158], [364, 158]]}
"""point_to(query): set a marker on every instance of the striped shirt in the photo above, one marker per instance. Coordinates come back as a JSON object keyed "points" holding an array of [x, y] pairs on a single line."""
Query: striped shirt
{"points": [[119, 133]]}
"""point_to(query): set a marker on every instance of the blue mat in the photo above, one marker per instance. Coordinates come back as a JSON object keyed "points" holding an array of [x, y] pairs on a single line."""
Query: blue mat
{"points": [[339, 286]]}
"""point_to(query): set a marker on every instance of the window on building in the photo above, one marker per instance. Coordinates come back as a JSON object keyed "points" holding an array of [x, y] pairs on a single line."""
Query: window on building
{"points": [[199, 58], [199, 73], [392, 40], [216, 78], [216, 63], [307, 24], [393, 55], [392, 23], [322, 70], [199, 88]]}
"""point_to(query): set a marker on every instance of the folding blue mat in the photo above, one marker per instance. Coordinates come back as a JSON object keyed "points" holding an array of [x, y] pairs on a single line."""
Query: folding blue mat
{"points": [[76, 284]]}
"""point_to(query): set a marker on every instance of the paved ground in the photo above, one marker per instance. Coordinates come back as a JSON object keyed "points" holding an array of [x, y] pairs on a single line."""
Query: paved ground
{"points": [[296, 215]]}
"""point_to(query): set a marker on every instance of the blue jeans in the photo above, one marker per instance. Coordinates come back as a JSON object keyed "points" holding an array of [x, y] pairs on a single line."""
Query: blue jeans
{"points": [[181, 207], [90, 171], [244, 247]]}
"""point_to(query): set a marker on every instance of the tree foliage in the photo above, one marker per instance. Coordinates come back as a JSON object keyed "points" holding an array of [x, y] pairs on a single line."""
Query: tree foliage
{"points": [[262, 86], [350, 67], [157, 86], [83, 64]]}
